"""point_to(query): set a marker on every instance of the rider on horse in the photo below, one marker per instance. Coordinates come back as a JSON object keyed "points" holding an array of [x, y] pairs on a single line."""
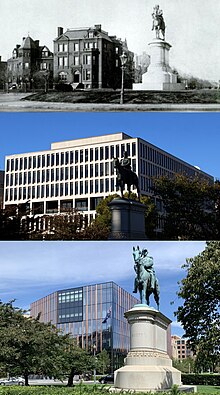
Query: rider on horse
{"points": [[147, 262], [158, 21]]}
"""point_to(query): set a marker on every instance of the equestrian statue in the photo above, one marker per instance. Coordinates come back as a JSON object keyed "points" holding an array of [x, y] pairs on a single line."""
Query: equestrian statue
{"points": [[146, 282], [125, 175], [158, 22]]}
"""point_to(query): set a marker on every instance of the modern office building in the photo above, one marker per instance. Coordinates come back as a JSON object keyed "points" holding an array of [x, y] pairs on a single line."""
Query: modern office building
{"points": [[27, 62], [93, 314], [79, 173], [180, 348], [91, 58]]}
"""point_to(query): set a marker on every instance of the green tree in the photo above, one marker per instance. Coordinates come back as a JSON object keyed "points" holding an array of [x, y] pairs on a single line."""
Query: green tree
{"points": [[200, 312], [78, 360], [191, 207], [28, 346], [102, 223], [103, 362], [185, 366]]}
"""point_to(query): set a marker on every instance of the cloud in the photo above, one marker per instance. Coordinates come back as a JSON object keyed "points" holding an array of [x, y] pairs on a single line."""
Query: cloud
{"points": [[86, 261], [176, 324]]}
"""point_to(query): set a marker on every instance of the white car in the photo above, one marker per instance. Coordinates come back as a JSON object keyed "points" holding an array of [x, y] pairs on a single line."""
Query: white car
{"points": [[13, 381]]}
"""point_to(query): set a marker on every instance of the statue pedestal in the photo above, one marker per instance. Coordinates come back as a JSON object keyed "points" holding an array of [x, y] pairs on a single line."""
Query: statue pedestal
{"points": [[159, 75], [148, 366], [128, 221]]}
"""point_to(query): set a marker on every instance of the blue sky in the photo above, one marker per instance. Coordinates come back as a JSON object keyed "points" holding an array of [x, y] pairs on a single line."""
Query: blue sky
{"points": [[31, 270], [193, 137]]}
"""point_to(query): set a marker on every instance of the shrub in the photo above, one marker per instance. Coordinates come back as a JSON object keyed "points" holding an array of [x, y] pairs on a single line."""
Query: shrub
{"points": [[201, 379]]}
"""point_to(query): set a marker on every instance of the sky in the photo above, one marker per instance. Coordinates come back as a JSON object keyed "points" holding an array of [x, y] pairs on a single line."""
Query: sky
{"points": [[31, 270], [192, 28], [193, 137]]}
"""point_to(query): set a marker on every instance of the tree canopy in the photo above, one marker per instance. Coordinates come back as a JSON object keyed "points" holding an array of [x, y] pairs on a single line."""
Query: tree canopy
{"points": [[191, 208], [28, 346], [200, 312]]}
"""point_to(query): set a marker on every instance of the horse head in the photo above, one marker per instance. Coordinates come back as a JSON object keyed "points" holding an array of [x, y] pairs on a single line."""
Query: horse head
{"points": [[136, 253]]}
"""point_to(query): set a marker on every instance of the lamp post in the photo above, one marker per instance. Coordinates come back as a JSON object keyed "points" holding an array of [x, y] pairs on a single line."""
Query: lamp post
{"points": [[94, 372], [124, 59]]}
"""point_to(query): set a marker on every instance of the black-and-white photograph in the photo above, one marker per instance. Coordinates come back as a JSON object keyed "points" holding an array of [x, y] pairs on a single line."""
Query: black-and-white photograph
{"points": [[108, 55]]}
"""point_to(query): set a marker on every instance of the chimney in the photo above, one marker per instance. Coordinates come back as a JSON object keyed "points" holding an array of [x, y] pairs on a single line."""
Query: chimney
{"points": [[98, 27], [59, 31]]}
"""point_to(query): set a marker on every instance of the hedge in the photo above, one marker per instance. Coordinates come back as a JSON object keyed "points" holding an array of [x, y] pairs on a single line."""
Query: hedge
{"points": [[201, 379]]}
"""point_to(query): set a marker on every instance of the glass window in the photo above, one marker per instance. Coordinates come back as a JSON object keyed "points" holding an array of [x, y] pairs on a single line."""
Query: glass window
{"points": [[112, 151], [106, 152], [96, 154], [76, 60]]}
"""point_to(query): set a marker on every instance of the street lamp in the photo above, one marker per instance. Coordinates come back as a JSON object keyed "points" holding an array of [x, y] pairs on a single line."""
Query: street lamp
{"points": [[94, 372], [124, 59]]}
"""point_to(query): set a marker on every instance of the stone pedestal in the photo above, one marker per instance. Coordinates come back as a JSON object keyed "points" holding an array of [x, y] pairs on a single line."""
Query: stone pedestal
{"points": [[148, 366], [128, 222], [159, 75]]}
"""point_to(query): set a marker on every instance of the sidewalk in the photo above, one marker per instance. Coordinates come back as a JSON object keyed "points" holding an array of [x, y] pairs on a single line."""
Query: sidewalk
{"points": [[25, 106]]}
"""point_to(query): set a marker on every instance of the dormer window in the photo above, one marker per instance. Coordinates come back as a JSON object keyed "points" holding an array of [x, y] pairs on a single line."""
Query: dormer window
{"points": [[45, 54], [91, 34]]}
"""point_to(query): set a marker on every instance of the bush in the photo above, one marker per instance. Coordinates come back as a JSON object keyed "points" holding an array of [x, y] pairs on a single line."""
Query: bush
{"points": [[61, 87], [201, 379]]}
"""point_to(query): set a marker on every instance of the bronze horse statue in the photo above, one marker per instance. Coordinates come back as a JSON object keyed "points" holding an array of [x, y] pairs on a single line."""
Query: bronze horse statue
{"points": [[145, 282], [126, 177]]}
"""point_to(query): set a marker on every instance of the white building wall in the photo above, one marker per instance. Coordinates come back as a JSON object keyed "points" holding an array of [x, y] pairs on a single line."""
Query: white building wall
{"points": [[77, 172]]}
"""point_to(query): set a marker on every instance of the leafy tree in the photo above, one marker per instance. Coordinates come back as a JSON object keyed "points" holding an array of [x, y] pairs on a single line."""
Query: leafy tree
{"points": [[103, 362], [185, 366], [200, 312], [28, 346], [103, 220], [191, 207], [78, 360]]}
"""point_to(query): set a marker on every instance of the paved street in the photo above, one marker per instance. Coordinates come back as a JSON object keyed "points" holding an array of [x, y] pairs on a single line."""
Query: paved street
{"points": [[11, 102], [54, 382]]}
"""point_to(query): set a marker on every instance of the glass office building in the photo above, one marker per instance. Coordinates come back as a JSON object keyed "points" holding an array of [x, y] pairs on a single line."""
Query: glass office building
{"points": [[93, 314]]}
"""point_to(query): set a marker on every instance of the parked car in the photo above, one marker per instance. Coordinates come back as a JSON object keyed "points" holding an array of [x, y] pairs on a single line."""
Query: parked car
{"points": [[12, 381], [13, 87], [109, 378]]}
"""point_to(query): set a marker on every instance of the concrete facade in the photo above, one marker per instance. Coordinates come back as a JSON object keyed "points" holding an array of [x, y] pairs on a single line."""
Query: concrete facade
{"points": [[79, 173]]}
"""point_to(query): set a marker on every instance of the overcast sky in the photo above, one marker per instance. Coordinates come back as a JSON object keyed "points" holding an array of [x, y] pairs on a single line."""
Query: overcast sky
{"points": [[31, 270], [192, 137], [192, 26]]}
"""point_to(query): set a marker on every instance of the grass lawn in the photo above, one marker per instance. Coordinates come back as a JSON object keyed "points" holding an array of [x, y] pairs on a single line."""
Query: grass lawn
{"points": [[208, 389], [208, 96]]}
